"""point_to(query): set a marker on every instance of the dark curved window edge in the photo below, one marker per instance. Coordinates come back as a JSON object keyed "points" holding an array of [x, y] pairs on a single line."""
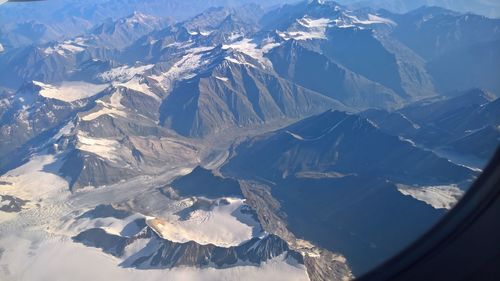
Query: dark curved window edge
{"points": [[464, 245]]}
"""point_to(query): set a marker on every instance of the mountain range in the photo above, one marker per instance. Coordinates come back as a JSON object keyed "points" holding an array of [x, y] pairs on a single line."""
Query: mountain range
{"points": [[234, 140]]}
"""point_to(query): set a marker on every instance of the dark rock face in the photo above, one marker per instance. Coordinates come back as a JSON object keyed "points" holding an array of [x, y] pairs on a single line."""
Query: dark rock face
{"points": [[481, 144], [205, 105], [346, 216], [344, 143], [162, 253], [295, 62], [99, 238], [11, 204], [169, 254], [325, 266], [202, 182], [86, 169]]}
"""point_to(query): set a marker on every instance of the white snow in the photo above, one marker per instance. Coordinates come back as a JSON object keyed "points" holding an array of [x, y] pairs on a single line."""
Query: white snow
{"points": [[184, 68], [224, 79], [1, 48], [3, 202], [206, 33], [37, 179], [234, 36], [238, 59], [142, 19], [376, 19], [314, 23], [372, 19], [408, 141], [268, 46], [110, 224], [331, 129], [64, 131], [295, 135], [113, 108], [220, 226], [307, 29], [61, 259], [439, 197], [108, 149], [70, 91], [135, 247], [249, 48], [124, 73], [37, 243], [137, 85], [67, 47]]}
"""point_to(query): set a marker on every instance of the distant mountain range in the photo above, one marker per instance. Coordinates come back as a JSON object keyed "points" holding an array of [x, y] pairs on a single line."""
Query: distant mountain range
{"points": [[486, 8], [311, 138]]}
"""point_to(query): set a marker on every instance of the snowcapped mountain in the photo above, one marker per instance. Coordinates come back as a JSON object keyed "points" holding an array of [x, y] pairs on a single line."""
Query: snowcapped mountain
{"points": [[141, 244], [215, 140], [99, 139], [486, 8]]}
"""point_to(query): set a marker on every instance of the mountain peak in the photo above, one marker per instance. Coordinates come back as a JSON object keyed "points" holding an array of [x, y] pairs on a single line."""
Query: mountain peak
{"points": [[316, 2], [139, 17], [427, 11]]}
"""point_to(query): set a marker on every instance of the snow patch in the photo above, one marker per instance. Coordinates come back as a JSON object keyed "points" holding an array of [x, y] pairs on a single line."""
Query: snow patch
{"points": [[206, 33], [124, 73], [307, 29], [295, 135], [222, 225], [35, 180], [110, 224], [104, 148], [224, 79], [61, 259], [249, 48], [439, 197], [184, 68], [331, 129], [238, 60], [70, 91], [407, 140], [314, 23], [137, 84], [114, 108], [376, 19], [67, 47], [65, 131], [268, 46], [372, 19]]}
